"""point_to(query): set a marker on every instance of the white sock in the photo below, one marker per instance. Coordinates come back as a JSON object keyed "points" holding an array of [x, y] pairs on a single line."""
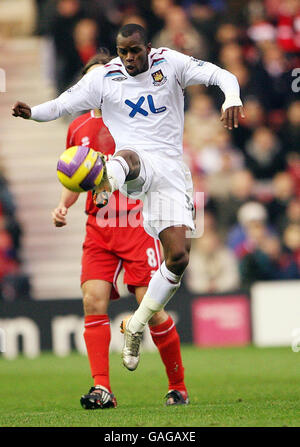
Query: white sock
{"points": [[160, 290], [117, 171]]}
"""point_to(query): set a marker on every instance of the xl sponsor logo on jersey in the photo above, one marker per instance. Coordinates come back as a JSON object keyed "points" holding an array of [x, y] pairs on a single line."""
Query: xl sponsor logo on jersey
{"points": [[159, 78], [136, 107]]}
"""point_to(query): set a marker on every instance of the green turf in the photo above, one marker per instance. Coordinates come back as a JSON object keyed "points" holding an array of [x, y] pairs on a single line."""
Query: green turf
{"points": [[229, 387]]}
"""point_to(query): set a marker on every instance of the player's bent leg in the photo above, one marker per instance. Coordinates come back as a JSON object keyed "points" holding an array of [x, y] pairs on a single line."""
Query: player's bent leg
{"points": [[162, 287], [166, 279], [96, 294]]}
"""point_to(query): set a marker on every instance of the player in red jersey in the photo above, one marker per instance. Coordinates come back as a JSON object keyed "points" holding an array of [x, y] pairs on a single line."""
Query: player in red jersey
{"points": [[111, 243]]}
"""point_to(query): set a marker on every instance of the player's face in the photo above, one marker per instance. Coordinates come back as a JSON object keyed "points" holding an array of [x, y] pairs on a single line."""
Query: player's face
{"points": [[133, 53]]}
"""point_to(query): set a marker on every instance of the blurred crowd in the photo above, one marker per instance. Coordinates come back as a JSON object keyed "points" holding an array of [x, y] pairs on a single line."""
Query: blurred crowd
{"points": [[14, 283], [250, 177]]}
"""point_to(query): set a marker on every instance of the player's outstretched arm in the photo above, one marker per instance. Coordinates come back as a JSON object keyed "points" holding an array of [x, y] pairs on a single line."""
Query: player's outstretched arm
{"points": [[22, 110], [192, 71], [67, 199], [85, 95]]}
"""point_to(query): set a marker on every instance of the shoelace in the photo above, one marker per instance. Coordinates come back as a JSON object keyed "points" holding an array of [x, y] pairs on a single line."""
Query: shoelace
{"points": [[134, 343]]}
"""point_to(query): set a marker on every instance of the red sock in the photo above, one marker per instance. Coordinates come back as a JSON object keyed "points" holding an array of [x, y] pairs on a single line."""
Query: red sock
{"points": [[97, 340], [166, 338]]}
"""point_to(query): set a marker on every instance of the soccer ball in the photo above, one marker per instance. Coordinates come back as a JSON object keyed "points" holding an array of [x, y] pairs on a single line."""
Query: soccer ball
{"points": [[80, 168]]}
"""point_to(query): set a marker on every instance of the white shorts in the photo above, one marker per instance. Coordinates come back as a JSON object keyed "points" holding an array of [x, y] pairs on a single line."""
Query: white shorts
{"points": [[165, 186]]}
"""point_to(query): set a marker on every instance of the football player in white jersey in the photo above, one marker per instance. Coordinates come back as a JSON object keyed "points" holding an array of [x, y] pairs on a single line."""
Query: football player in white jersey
{"points": [[140, 94]]}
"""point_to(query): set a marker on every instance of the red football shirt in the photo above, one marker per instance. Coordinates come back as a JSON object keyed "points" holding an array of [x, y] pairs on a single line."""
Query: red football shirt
{"points": [[89, 130]]}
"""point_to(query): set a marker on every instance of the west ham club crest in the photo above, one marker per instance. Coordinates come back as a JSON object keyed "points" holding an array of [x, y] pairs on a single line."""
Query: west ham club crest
{"points": [[159, 78]]}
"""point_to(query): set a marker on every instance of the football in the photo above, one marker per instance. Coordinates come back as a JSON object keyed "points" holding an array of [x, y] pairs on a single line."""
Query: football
{"points": [[80, 168]]}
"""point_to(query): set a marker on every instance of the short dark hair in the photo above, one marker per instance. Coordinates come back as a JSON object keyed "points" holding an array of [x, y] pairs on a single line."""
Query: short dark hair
{"points": [[131, 28], [102, 57]]}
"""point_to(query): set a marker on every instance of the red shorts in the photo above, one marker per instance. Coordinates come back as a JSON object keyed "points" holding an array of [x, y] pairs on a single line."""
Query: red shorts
{"points": [[107, 250]]}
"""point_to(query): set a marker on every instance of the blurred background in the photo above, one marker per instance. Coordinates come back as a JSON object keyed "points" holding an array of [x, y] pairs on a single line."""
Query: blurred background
{"points": [[243, 282]]}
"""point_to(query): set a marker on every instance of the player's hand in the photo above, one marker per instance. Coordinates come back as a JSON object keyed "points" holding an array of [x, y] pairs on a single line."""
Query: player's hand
{"points": [[230, 116], [21, 109], [59, 216]]}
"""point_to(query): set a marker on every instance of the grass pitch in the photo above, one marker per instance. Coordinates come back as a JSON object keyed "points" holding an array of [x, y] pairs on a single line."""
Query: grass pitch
{"points": [[229, 387]]}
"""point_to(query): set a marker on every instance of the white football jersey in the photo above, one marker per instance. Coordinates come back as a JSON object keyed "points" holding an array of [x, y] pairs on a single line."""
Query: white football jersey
{"points": [[145, 111]]}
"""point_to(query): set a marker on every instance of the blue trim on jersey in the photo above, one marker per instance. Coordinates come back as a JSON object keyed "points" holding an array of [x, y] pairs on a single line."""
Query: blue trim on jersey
{"points": [[114, 73], [159, 62]]}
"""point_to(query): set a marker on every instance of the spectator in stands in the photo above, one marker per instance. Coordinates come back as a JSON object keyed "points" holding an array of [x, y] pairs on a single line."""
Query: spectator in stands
{"points": [[201, 122], [61, 28], [251, 229], [290, 136], [264, 155], [9, 219], [291, 240], [273, 73], [153, 13], [268, 262], [86, 39], [292, 215], [135, 18], [161, 8], [218, 160], [294, 170], [226, 33], [283, 192], [108, 15], [260, 30], [231, 54], [288, 30], [272, 8], [241, 192], [205, 17], [9, 263], [213, 268], [290, 130], [179, 34], [255, 116]]}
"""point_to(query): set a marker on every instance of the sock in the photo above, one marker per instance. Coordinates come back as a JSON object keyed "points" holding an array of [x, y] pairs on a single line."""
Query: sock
{"points": [[117, 171], [160, 290], [166, 338], [97, 340]]}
